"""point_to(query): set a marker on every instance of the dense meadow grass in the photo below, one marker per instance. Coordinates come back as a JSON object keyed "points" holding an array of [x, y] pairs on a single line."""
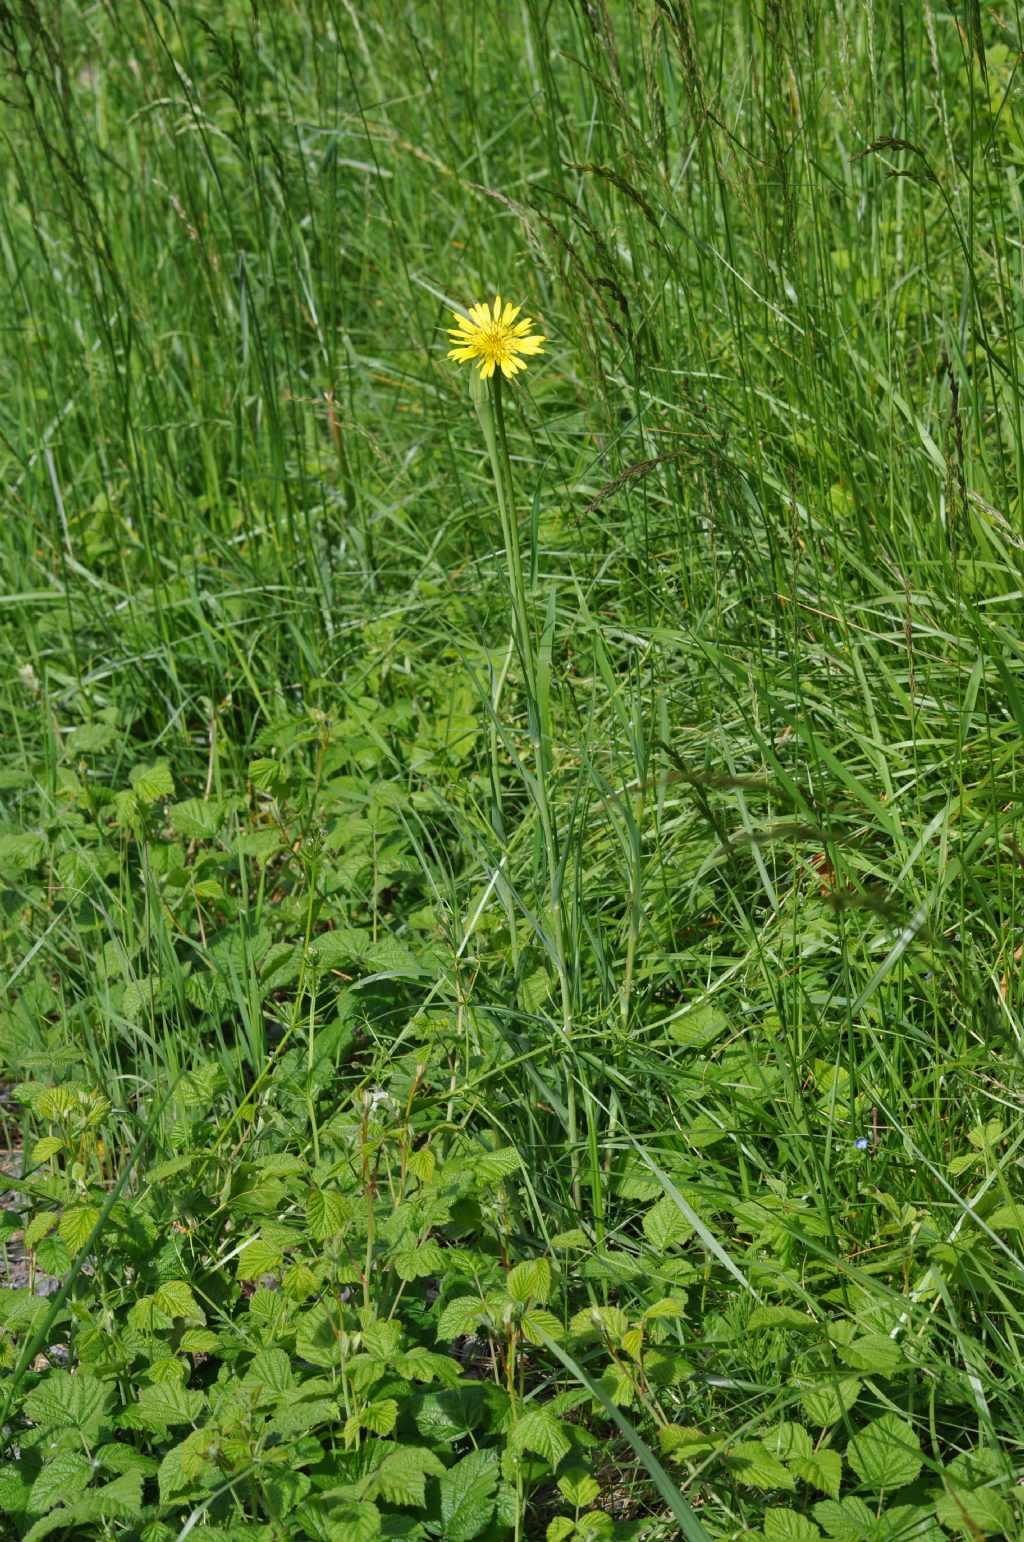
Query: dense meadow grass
{"points": [[494, 1063]]}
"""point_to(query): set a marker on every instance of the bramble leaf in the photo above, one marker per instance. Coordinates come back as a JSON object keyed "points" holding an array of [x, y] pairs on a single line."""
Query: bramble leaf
{"points": [[886, 1454], [785, 1525], [66, 1401], [76, 1226], [753, 1464], [541, 1432], [467, 1495]]}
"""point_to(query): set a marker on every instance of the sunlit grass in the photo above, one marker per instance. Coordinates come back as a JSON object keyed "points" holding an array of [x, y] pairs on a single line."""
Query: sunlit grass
{"points": [[766, 474]]}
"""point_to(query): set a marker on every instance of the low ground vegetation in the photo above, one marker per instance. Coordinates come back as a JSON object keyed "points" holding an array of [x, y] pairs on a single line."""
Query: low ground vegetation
{"points": [[450, 1099]]}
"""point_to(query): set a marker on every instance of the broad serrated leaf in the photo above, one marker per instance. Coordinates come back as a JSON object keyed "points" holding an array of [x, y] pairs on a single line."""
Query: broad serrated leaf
{"points": [[538, 1324], [973, 1511], [558, 1529], [576, 1237], [541, 1432], [57, 1520], [785, 1525], [168, 1368], [22, 1311], [265, 774], [460, 1316], [198, 818], [606, 1321], [52, 1256], [684, 1441], [115, 1457], [285, 1491], [59, 1481], [400, 1479], [422, 1164], [780, 1317], [121, 1499], [145, 1315], [168, 1403], [56, 1103], [297, 1418], [327, 1213], [886, 1454], [1008, 1217], [752, 1463], [976, 1467], [66, 1401], [354, 1520], [391, 956], [827, 1402], [665, 1224], [422, 1364], [21, 851], [699, 1026], [175, 1298], [822, 1469], [183, 1464], [507, 1509], [150, 783], [76, 1225], [667, 1306], [618, 1384], [46, 1148], [299, 1282], [342, 947], [633, 1344], [272, 1369], [38, 1227], [788, 1441], [494, 1166], [173, 1166], [578, 1487], [529, 1281], [845, 1520], [596, 1525], [380, 1416], [14, 1490], [450, 1415], [909, 1523], [535, 990], [198, 1341], [874, 1353], [468, 1494], [257, 1258], [382, 1339], [316, 1337], [127, 809], [419, 1261]]}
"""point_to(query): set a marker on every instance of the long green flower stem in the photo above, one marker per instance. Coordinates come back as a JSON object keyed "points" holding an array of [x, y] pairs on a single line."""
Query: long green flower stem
{"points": [[492, 419]]}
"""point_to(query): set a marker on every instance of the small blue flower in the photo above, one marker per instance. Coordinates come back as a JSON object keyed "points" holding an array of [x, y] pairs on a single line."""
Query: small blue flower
{"points": [[862, 1143]]}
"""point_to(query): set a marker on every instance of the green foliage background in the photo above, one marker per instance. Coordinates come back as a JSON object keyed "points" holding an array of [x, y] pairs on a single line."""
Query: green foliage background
{"points": [[347, 1237]]}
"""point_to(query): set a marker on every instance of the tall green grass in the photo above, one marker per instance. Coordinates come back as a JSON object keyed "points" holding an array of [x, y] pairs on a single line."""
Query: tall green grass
{"points": [[767, 479]]}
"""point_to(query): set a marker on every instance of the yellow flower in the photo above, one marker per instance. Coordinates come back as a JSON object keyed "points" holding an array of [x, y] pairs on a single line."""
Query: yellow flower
{"points": [[493, 337]]}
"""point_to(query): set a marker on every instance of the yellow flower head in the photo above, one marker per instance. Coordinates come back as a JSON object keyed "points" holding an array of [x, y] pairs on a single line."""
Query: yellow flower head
{"points": [[495, 338]]}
